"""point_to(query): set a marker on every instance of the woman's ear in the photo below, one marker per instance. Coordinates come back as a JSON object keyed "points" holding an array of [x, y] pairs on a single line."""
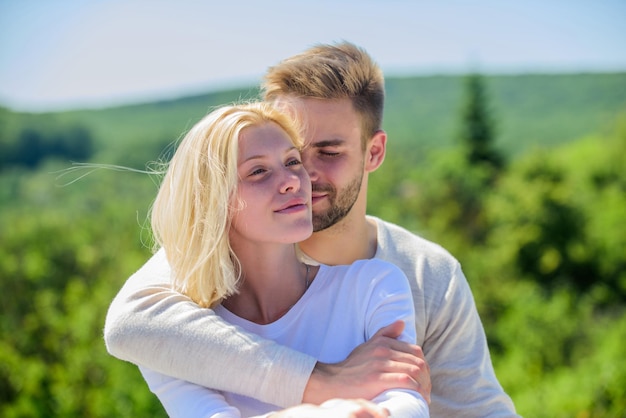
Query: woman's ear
{"points": [[375, 151]]}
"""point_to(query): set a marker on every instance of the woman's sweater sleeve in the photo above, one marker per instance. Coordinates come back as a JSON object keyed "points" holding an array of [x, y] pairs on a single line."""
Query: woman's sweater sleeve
{"points": [[151, 325]]}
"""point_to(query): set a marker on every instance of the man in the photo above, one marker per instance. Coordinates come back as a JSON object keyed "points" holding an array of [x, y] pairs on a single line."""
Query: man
{"points": [[337, 93]]}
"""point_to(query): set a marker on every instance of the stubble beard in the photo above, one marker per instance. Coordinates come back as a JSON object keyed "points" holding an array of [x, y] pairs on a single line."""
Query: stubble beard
{"points": [[340, 203]]}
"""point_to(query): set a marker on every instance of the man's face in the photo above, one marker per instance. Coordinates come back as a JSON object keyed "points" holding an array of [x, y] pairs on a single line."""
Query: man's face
{"points": [[333, 156]]}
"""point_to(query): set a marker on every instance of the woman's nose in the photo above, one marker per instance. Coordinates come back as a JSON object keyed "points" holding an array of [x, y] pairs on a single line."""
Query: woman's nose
{"points": [[290, 182]]}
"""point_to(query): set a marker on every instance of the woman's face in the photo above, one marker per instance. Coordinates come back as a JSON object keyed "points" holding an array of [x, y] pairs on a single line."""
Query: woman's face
{"points": [[274, 189]]}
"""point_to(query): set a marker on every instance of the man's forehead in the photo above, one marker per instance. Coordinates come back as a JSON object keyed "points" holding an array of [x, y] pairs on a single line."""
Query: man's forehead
{"points": [[322, 122]]}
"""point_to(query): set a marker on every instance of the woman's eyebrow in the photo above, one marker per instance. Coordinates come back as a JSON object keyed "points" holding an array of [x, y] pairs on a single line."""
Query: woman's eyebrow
{"points": [[260, 156]]}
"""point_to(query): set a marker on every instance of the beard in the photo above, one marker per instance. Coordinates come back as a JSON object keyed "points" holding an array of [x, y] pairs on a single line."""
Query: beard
{"points": [[341, 203]]}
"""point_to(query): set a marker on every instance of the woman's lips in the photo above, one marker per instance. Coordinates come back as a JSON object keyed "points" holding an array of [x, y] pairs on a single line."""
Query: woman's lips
{"points": [[293, 205]]}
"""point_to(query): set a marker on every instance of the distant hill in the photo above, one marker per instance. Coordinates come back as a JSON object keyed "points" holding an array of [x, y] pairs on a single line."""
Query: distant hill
{"points": [[421, 113], [529, 110]]}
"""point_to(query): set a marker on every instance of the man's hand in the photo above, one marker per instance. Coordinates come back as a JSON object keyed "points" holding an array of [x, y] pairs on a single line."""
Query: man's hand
{"points": [[336, 408], [377, 365]]}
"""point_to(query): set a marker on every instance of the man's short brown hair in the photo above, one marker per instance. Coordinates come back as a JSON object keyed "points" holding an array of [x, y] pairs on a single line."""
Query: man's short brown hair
{"points": [[336, 71]]}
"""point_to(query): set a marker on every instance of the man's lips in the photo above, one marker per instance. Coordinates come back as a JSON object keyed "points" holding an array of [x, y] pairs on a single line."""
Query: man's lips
{"points": [[316, 197]]}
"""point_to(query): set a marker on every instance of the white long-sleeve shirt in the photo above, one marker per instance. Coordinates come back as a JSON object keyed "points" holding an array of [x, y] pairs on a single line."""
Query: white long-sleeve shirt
{"points": [[151, 325], [344, 307]]}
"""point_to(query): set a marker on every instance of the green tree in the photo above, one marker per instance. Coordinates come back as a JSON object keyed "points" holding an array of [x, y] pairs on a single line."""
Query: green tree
{"points": [[477, 125]]}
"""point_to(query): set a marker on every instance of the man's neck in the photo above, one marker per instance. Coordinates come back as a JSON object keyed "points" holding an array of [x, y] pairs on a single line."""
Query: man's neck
{"points": [[351, 239]]}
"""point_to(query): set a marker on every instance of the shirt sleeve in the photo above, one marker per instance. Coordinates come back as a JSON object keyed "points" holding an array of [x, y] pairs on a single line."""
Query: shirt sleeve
{"points": [[391, 300], [403, 403], [182, 399], [456, 349], [151, 325]]}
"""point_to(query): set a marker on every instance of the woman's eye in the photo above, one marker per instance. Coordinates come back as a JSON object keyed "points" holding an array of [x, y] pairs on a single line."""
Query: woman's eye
{"points": [[257, 172], [294, 162]]}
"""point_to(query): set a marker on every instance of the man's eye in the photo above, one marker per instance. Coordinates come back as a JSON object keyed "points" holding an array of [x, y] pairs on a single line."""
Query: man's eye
{"points": [[329, 153]]}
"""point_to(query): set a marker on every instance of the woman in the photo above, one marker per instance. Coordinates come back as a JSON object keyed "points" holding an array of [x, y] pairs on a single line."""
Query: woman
{"points": [[233, 202]]}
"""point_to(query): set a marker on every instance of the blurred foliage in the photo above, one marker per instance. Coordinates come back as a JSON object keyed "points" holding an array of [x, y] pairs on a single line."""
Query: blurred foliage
{"points": [[26, 140], [65, 251], [544, 250], [541, 243]]}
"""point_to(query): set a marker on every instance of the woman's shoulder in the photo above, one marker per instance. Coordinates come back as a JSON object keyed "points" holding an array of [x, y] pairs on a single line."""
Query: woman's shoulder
{"points": [[362, 273]]}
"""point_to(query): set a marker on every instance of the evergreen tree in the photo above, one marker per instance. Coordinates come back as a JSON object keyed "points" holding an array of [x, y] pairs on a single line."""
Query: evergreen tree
{"points": [[477, 128]]}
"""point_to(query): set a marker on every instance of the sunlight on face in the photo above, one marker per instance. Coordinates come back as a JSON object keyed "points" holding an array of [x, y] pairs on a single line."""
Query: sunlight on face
{"points": [[274, 189]]}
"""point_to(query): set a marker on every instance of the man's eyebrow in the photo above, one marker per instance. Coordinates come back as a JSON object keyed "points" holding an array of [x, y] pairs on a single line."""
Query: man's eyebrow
{"points": [[328, 143]]}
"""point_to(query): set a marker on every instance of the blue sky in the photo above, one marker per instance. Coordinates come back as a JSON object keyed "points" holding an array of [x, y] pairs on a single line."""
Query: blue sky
{"points": [[68, 53]]}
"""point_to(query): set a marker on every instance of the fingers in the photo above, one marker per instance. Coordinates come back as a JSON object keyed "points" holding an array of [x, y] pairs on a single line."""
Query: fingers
{"points": [[377, 365], [414, 366], [422, 384], [393, 330], [403, 365], [394, 350], [387, 337]]}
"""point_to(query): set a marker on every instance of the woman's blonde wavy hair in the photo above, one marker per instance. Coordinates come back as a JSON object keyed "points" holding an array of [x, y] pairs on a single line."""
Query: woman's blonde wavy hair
{"points": [[193, 209]]}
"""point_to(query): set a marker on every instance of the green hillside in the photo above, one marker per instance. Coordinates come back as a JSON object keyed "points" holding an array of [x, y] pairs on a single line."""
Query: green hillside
{"points": [[421, 114], [529, 110]]}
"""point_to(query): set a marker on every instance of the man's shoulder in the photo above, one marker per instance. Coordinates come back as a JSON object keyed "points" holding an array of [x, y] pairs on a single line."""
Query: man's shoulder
{"points": [[432, 271], [396, 239], [424, 262]]}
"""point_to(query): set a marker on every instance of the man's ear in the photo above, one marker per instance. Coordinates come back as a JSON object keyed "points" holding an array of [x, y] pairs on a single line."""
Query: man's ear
{"points": [[375, 151]]}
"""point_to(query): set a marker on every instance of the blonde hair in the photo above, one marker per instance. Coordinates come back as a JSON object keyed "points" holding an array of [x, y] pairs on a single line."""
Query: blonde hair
{"points": [[337, 71], [192, 212]]}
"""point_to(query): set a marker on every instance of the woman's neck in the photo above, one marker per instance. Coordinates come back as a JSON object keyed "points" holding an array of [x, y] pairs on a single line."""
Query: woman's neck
{"points": [[273, 280]]}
